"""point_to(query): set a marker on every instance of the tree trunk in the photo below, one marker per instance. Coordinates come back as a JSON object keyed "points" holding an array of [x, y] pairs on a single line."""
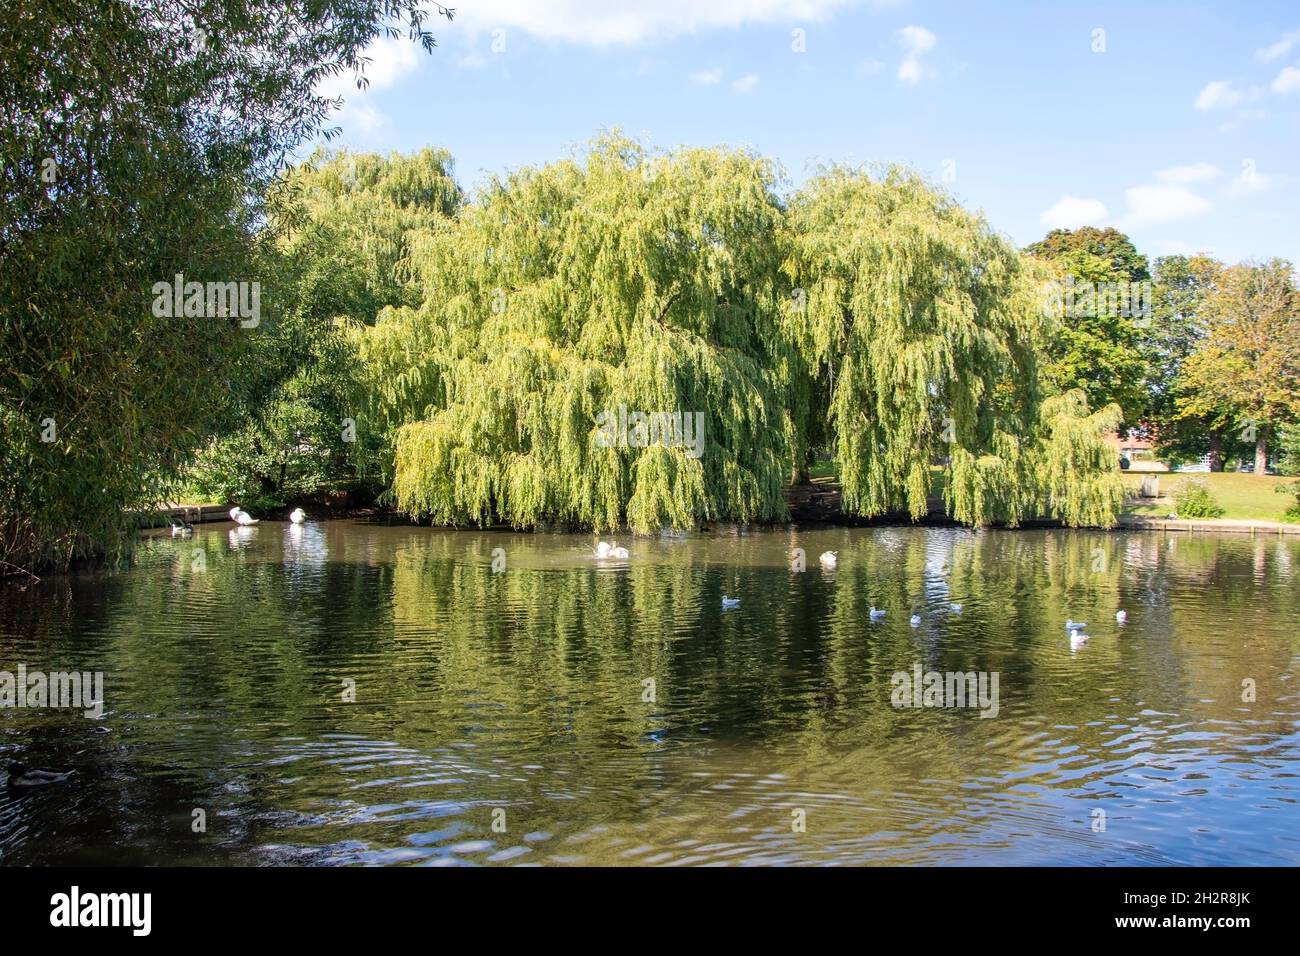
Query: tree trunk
{"points": [[1261, 451], [1216, 451]]}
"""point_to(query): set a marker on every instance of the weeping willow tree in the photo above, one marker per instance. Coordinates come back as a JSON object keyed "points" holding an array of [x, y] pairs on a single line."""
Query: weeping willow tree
{"points": [[922, 330], [599, 343]]}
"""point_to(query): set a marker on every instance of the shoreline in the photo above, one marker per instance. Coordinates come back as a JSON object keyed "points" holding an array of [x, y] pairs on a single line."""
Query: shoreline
{"points": [[1127, 521]]}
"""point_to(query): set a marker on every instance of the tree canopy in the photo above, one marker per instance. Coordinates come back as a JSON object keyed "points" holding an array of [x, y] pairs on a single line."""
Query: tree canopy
{"points": [[874, 314], [1249, 363], [139, 139], [1100, 290], [628, 282]]}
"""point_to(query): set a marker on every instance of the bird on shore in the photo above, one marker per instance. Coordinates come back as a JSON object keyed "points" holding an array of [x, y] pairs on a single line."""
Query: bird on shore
{"points": [[181, 529], [21, 777], [240, 516], [828, 560], [297, 516], [729, 603], [1121, 617], [877, 615]]}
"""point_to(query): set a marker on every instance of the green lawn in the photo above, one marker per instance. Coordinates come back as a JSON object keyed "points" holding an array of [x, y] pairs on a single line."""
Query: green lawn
{"points": [[1243, 497]]}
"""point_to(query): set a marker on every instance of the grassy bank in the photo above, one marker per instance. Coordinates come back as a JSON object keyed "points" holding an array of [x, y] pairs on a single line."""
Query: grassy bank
{"points": [[1242, 497]]}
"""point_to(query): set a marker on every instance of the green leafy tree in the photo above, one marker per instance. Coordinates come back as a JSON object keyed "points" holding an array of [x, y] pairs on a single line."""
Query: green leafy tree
{"points": [[625, 281], [1100, 288], [925, 331], [1176, 330], [138, 139], [345, 225], [1249, 361]]}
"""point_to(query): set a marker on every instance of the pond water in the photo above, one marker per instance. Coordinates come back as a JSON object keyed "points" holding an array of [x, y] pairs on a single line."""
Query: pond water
{"points": [[565, 710]]}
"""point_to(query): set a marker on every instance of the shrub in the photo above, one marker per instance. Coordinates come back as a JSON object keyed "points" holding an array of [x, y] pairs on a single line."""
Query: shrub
{"points": [[1193, 499]]}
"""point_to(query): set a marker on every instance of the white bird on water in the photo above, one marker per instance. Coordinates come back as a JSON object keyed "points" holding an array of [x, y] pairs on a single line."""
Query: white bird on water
{"points": [[603, 549], [915, 620], [1077, 639], [618, 553], [297, 516], [955, 608], [828, 560], [240, 516], [1075, 625], [1121, 617], [728, 603], [877, 615]]}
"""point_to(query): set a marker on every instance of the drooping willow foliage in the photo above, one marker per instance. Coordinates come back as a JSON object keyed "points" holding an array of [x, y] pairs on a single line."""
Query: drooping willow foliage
{"points": [[628, 283], [923, 330]]}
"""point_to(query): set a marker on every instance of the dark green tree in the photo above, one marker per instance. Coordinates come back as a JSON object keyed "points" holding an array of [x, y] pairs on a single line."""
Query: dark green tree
{"points": [[137, 141], [1101, 291]]}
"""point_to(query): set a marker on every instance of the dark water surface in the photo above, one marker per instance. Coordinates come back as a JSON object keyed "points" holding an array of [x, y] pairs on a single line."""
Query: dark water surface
{"points": [[523, 691]]}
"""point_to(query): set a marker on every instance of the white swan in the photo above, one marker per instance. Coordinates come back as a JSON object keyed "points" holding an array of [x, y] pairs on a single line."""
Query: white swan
{"points": [[728, 603], [297, 516], [240, 516], [877, 615], [1121, 617], [603, 548], [915, 620], [828, 560], [617, 553]]}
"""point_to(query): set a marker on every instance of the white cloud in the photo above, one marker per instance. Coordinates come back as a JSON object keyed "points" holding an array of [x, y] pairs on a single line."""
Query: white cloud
{"points": [[916, 42], [1194, 173], [1250, 181], [601, 23], [1288, 81], [1218, 94], [1152, 205], [1071, 212], [746, 83], [708, 77], [390, 59], [1281, 48]]}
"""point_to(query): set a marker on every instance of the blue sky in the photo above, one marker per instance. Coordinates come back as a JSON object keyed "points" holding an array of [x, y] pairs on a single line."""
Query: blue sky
{"points": [[1180, 123]]}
